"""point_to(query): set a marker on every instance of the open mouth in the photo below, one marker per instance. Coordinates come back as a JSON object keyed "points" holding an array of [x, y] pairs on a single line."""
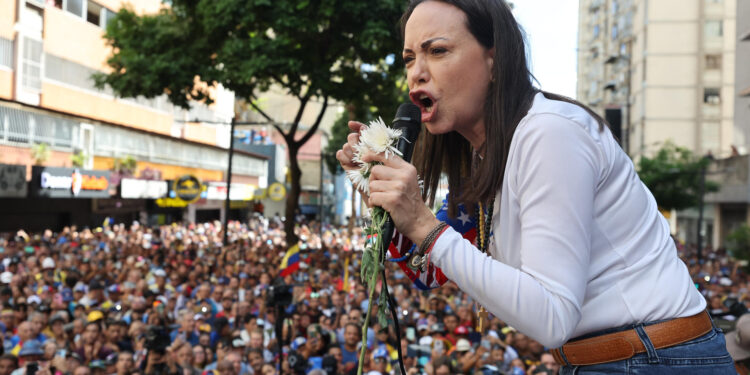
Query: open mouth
{"points": [[426, 102]]}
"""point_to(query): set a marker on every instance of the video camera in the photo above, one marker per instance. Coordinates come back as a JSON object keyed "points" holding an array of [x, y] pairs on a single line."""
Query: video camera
{"points": [[157, 339], [279, 294]]}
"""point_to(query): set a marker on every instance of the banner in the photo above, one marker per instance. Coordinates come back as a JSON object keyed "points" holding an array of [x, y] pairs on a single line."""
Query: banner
{"points": [[143, 189], [13, 181], [239, 192], [53, 182]]}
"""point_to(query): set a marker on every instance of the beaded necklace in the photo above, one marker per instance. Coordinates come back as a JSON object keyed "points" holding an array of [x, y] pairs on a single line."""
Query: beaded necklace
{"points": [[484, 227]]}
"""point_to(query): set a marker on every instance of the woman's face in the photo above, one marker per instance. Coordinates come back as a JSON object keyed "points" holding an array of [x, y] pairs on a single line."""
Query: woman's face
{"points": [[447, 70]]}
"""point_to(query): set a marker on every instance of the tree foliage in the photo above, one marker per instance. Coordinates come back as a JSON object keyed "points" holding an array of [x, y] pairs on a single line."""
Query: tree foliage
{"points": [[314, 49], [738, 243], [674, 177]]}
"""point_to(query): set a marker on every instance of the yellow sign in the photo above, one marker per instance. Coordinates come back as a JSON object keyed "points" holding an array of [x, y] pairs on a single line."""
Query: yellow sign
{"points": [[171, 202], [277, 191], [188, 188]]}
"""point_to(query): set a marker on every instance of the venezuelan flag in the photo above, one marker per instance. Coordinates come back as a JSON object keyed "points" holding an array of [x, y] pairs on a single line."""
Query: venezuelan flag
{"points": [[290, 263]]}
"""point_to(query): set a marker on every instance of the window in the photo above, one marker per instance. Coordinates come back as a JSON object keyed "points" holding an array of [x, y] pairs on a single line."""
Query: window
{"points": [[596, 31], [94, 13], [32, 64], [107, 16], [614, 32], [57, 4], [713, 62], [710, 136], [713, 29], [75, 7], [711, 95]]}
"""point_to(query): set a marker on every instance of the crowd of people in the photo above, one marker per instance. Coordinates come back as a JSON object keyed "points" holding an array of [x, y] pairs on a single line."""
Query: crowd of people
{"points": [[131, 299]]}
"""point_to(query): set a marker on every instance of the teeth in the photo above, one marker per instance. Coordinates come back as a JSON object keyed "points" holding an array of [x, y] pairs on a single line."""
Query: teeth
{"points": [[423, 96]]}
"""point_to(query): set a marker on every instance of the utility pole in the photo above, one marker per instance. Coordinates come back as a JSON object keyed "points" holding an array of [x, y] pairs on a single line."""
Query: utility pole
{"points": [[229, 179]]}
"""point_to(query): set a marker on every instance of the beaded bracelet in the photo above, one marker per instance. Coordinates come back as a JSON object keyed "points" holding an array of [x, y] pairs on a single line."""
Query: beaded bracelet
{"points": [[428, 241]]}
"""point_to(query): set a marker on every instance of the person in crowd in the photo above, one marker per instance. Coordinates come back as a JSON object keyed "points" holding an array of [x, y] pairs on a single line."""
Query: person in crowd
{"points": [[114, 333]]}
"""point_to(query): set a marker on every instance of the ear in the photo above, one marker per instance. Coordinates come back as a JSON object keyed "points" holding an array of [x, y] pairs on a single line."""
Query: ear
{"points": [[490, 60]]}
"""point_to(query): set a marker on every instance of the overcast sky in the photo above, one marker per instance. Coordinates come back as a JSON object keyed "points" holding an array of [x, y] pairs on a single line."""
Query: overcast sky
{"points": [[552, 32]]}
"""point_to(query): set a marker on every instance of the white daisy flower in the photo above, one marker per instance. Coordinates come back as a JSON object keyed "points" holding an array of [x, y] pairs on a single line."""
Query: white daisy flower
{"points": [[380, 138], [359, 180]]}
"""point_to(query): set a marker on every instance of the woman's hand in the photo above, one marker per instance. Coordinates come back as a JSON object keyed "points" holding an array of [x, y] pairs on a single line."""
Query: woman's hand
{"points": [[345, 156], [394, 186]]}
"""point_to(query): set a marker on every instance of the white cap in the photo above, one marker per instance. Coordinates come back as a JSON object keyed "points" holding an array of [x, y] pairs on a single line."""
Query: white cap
{"points": [[6, 277], [160, 273], [48, 263], [426, 340]]}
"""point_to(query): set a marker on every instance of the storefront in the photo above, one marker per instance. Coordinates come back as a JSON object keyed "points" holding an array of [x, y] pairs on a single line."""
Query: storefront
{"points": [[53, 198]]}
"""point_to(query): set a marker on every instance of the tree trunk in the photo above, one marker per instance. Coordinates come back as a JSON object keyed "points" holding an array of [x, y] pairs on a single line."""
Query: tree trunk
{"points": [[292, 199]]}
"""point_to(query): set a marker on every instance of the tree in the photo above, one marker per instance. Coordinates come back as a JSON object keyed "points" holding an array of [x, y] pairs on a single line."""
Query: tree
{"points": [[674, 177], [314, 49], [738, 243]]}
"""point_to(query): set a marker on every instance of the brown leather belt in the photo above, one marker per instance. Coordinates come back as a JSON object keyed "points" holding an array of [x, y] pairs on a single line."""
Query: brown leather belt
{"points": [[625, 344]]}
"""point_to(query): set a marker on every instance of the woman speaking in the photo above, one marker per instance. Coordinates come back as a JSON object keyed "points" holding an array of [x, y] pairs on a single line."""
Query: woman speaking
{"points": [[570, 247]]}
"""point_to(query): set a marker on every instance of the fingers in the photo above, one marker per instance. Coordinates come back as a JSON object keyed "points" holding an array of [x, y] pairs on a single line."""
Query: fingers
{"points": [[393, 161], [356, 126]]}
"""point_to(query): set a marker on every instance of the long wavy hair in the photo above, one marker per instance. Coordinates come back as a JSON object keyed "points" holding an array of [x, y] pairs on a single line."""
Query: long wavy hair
{"points": [[508, 100]]}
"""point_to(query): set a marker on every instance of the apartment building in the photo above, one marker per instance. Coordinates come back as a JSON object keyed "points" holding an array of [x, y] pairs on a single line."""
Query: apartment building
{"points": [[664, 70], [48, 52]]}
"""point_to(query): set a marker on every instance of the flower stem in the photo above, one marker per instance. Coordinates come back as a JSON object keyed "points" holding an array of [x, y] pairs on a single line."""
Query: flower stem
{"points": [[379, 218]]}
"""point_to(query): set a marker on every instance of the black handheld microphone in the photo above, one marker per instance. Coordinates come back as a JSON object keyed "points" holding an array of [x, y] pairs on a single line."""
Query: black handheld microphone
{"points": [[409, 120]]}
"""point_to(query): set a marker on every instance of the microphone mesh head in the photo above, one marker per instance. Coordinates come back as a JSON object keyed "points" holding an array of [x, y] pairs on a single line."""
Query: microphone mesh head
{"points": [[410, 111], [409, 120]]}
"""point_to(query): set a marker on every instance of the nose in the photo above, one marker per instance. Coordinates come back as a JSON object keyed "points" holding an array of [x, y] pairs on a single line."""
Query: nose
{"points": [[418, 73]]}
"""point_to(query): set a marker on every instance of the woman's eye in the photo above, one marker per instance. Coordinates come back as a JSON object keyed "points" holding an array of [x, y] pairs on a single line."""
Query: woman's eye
{"points": [[408, 59], [437, 50]]}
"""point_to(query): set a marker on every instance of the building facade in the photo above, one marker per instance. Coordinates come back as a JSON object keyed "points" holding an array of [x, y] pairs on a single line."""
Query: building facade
{"points": [[668, 70], [49, 50], [662, 70]]}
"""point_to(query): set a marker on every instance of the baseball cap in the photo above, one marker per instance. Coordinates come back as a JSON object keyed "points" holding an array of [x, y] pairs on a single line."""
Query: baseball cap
{"points": [[380, 352], [6, 277], [48, 263], [461, 330], [56, 318], [463, 345], [738, 341], [95, 315], [437, 328], [31, 347], [160, 273], [298, 342]]}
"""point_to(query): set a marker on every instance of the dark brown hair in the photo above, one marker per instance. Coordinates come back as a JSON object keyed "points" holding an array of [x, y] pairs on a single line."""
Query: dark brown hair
{"points": [[509, 98]]}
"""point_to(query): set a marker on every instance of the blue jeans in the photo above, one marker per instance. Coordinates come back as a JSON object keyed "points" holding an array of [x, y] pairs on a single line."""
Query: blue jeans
{"points": [[704, 355]]}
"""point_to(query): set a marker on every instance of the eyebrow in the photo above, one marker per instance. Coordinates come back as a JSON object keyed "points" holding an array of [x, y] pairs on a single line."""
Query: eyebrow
{"points": [[426, 43]]}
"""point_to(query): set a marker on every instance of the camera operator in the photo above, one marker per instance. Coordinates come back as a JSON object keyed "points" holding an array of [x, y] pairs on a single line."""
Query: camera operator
{"points": [[160, 356]]}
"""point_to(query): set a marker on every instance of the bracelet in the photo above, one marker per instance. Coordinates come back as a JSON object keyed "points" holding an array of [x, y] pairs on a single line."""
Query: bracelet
{"points": [[429, 240]]}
